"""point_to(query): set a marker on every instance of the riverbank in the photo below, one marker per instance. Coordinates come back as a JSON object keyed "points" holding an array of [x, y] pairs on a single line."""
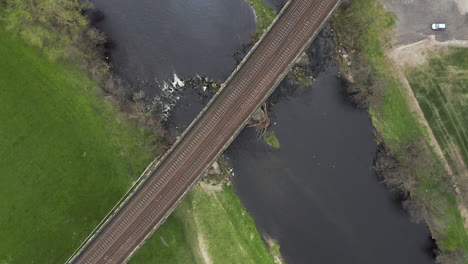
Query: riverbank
{"points": [[433, 74], [318, 193], [406, 160], [60, 122], [209, 226]]}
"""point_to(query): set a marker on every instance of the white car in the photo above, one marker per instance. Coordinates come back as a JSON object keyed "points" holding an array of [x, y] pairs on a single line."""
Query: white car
{"points": [[438, 26]]}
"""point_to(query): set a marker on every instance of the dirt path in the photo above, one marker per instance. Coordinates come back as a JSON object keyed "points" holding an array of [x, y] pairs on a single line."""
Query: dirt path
{"points": [[202, 244], [204, 249], [209, 188], [417, 54]]}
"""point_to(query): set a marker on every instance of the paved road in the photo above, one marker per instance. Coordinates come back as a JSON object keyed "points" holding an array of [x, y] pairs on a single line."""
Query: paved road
{"points": [[167, 182]]}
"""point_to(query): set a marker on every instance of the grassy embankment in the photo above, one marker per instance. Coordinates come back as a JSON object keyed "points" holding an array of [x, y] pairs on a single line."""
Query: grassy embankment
{"points": [[68, 156], [366, 31]]}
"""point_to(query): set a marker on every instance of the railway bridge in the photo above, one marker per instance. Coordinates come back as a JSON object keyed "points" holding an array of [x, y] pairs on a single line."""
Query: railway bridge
{"points": [[164, 183]]}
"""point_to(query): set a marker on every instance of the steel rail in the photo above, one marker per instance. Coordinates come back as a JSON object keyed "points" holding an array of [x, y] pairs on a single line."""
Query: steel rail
{"points": [[165, 174], [157, 195], [165, 197], [204, 130]]}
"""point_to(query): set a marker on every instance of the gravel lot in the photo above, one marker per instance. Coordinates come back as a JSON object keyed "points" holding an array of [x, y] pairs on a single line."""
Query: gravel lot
{"points": [[416, 16]]}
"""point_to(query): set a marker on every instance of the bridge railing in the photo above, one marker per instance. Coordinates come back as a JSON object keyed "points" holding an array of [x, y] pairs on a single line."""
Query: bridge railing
{"points": [[154, 165], [239, 129]]}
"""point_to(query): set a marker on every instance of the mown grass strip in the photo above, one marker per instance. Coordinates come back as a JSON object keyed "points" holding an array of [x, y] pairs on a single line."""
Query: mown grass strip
{"points": [[441, 87]]}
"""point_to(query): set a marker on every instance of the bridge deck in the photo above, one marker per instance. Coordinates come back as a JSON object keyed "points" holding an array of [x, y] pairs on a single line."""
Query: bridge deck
{"points": [[167, 182]]}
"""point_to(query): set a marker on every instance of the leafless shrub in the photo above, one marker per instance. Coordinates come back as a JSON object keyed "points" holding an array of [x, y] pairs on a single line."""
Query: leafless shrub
{"points": [[263, 123], [392, 171], [367, 89]]}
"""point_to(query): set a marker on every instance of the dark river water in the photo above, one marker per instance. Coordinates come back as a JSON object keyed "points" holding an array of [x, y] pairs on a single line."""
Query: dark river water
{"points": [[155, 39], [317, 195], [276, 4], [156, 42]]}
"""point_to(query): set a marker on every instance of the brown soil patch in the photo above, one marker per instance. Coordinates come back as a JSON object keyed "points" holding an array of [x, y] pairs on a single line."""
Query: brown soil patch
{"points": [[210, 188]]}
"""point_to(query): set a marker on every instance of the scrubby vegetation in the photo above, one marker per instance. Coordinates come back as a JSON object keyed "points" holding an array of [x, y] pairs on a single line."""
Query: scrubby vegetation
{"points": [[300, 76], [406, 160], [58, 28], [364, 33]]}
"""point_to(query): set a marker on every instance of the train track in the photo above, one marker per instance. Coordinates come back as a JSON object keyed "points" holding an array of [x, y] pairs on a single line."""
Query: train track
{"points": [[167, 182]]}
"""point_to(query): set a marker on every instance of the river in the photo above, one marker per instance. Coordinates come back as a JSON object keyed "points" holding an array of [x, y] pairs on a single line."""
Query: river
{"points": [[317, 195]]}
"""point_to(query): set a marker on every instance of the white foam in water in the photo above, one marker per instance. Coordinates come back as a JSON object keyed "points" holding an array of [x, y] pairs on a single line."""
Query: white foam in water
{"points": [[164, 102], [177, 81]]}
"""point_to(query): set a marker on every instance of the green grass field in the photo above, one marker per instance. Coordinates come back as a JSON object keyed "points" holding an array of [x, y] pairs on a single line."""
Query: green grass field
{"points": [[441, 88], [67, 157], [366, 28]]}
